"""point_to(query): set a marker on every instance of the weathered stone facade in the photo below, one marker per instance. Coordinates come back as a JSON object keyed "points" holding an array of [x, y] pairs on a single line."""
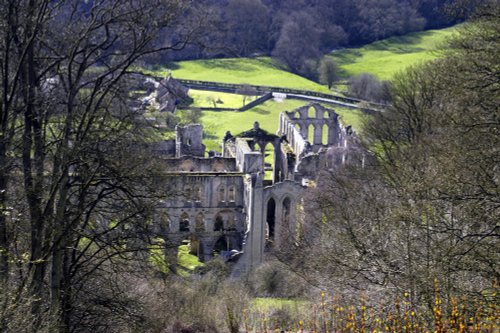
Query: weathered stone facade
{"points": [[225, 205]]}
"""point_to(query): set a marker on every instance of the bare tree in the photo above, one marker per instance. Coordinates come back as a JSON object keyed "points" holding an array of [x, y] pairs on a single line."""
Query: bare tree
{"points": [[65, 125], [428, 208], [328, 71]]}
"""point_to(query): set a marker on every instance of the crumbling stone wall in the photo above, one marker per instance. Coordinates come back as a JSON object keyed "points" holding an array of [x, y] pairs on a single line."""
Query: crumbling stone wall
{"points": [[189, 140]]}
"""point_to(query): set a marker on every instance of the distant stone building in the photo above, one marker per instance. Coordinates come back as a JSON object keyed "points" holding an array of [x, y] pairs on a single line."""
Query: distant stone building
{"points": [[226, 205]]}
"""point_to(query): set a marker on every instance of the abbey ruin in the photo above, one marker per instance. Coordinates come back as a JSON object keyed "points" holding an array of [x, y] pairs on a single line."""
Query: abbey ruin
{"points": [[225, 203]]}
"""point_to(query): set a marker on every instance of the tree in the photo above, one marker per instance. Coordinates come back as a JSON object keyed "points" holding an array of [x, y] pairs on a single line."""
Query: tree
{"points": [[247, 23], [426, 208], [69, 196], [297, 31], [328, 71], [383, 18], [367, 86]]}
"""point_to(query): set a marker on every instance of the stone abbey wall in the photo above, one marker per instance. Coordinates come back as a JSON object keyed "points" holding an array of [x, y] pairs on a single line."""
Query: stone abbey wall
{"points": [[225, 205]]}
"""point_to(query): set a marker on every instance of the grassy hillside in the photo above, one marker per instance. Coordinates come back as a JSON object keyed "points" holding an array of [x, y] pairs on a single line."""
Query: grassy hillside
{"points": [[261, 71], [386, 57]]}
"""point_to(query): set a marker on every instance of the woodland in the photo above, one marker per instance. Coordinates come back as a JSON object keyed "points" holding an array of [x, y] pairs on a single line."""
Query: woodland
{"points": [[408, 243]]}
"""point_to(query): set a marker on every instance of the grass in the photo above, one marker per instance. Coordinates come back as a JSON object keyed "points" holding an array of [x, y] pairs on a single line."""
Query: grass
{"points": [[204, 98], [186, 261], [389, 56], [258, 71]]}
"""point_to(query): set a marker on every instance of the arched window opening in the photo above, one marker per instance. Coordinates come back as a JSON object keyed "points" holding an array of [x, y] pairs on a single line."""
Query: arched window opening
{"points": [[311, 112], [221, 245], [184, 223], [324, 135], [270, 219], [326, 114], [219, 223], [232, 194], [310, 133], [285, 218], [200, 223], [222, 193], [297, 115]]}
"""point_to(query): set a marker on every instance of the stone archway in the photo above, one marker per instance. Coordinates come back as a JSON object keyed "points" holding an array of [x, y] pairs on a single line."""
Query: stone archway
{"points": [[219, 223], [270, 219], [184, 223], [221, 245]]}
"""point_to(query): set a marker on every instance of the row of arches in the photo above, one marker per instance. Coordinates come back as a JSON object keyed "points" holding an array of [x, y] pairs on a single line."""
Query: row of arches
{"points": [[311, 113], [224, 193], [205, 249], [316, 134], [223, 221]]}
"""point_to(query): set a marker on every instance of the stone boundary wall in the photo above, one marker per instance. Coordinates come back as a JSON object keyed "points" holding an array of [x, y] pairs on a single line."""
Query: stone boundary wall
{"points": [[258, 101], [231, 88]]}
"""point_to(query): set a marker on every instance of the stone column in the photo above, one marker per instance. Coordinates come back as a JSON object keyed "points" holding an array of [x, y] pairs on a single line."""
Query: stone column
{"points": [[254, 246], [318, 134]]}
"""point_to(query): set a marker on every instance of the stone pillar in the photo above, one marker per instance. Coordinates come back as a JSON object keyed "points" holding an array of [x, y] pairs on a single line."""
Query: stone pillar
{"points": [[278, 162], [207, 248], [318, 134], [333, 131], [254, 246]]}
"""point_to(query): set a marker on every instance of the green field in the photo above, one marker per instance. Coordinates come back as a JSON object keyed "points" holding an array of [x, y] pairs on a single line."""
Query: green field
{"points": [[260, 71], [205, 99], [389, 56]]}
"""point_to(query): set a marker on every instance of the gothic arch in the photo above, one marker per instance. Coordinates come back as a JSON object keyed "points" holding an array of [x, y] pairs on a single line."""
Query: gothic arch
{"points": [[218, 223], [231, 193], [221, 245], [270, 218], [286, 214], [311, 112], [310, 133], [221, 193], [184, 223], [324, 134]]}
